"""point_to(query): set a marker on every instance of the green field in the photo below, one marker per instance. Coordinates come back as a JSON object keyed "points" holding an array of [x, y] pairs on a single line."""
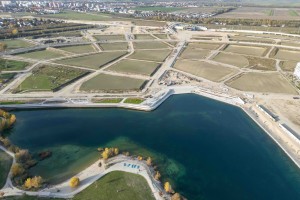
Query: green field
{"points": [[150, 45], [107, 100], [190, 53], [293, 13], [118, 186], [16, 44], [158, 8], [12, 65], [152, 55], [232, 59], [79, 16], [5, 164], [78, 49], [41, 55], [143, 37], [135, 67], [110, 83], [46, 78], [114, 46], [94, 61], [6, 77], [248, 50], [109, 37], [134, 100]]}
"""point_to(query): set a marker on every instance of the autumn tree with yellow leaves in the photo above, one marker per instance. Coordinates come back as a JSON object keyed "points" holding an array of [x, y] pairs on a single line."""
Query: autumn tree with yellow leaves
{"points": [[168, 187], [34, 182], [157, 176], [17, 170], [74, 182], [109, 152], [149, 161]]}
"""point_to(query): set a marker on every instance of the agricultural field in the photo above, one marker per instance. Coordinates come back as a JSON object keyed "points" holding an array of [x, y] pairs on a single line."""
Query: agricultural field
{"points": [[16, 44], [5, 164], [41, 55], [143, 37], [247, 50], [262, 82], [232, 59], [135, 67], [252, 39], [284, 54], [79, 16], [209, 46], [161, 36], [114, 46], [94, 61], [158, 8], [12, 65], [288, 66], [265, 64], [190, 53], [111, 83], [151, 55], [78, 49], [131, 186], [204, 69], [150, 45], [49, 78], [109, 37]]}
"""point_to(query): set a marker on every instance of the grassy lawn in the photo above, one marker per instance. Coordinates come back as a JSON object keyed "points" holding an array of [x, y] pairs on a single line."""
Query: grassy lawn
{"points": [[48, 78], [108, 100], [12, 65], [16, 44], [143, 37], [130, 186], [5, 164], [41, 55], [293, 13], [152, 55], [135, 67], [78, 49], [105, 82], [109, 37], [158, 8], [6, 77], [94, 61], [150, 45], [248, 50], [114, 46], [134, 100], [232, 59], [190, 53]]}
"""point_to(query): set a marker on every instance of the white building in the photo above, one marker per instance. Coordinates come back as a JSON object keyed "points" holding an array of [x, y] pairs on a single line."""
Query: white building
{"points": [[297, 71]]}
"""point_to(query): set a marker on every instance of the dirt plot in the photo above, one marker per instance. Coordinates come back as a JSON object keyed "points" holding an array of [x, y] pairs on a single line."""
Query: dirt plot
{"points": [[262, 82], [161, 36], [135, 67], [190, 53], [114, 46], [110, 83], [152, 55], [41, 55], [290, 43], [78, 49], [252, 39], [143, 37], [109, 37], [288, 65], [232, 59], [287, 55], [209, 46], [248, 50], [204, 69], [261, 63], [150, 45], [94, 61]]}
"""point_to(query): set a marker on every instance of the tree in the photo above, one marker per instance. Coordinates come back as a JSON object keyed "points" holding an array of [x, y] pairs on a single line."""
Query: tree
{"points": [[17, 170], [34, 182], [140, 158], [116, 151], [22, 156], [105, 155], [157, 176], [149, 161], [168, 187], [74, 182], [15, 31], [3, 46], [176, 196]]}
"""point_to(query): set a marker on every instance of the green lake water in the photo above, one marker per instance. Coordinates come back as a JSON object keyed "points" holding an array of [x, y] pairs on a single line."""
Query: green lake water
{"points": [[207, 149]]}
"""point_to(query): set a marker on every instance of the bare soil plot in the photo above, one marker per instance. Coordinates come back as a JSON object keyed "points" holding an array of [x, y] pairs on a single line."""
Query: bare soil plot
{"points": [[252, 39], [41, 55], [261, 63], [161, 36], [109, 37], [135, 67], [262, 82], [78, 49], [232, 59], [284, 54], [190, 53], [209, 46], [114, 46], [288, 65], [290, 43], [203, 69], [248, 50], [143, 37], [94, 61], [150, 45], [152, 55], [110, 83]]}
